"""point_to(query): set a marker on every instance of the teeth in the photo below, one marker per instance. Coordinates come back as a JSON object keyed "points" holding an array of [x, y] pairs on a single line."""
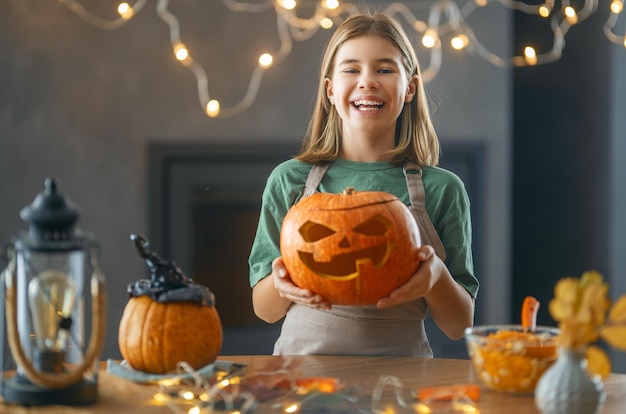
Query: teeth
{"points": [[367, 103]]}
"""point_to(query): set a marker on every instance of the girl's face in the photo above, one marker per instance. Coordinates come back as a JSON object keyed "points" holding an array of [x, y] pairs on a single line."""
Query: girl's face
{"points": [[369, 85]]}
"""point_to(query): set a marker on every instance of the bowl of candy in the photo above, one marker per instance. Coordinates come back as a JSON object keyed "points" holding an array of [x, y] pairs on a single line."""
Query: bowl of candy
{"points": [[510, 358]]}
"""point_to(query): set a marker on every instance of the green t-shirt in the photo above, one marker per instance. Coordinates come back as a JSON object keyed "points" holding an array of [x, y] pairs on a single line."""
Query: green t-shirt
{"points": [[447, 205]]}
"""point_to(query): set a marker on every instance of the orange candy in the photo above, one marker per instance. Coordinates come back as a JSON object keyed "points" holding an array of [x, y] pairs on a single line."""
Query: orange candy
{"points": [[513, 361]]}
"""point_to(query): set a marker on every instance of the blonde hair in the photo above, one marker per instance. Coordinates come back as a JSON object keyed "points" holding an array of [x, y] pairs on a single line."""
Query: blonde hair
{"points": [[416, 139]]}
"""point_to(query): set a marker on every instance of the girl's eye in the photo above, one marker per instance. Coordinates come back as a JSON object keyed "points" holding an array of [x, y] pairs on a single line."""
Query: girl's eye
{"points": [[385, 70]]}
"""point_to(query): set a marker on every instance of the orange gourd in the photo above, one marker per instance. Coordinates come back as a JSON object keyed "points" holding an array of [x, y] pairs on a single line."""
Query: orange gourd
{"points": [[351, 248], [154, 337], [168, 319]]}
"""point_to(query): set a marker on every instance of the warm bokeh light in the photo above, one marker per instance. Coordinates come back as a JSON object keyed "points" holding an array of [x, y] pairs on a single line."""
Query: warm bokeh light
{"points": [[530, 55], [544, 11], [331, 4], [212, 108], [125, 11], [326, 23], [187, 395], [430, 38], [481, 3], [570, 14], [616, 6], [288, 4], [459, 42], [265, 60], [292, 408], [181, 52]]}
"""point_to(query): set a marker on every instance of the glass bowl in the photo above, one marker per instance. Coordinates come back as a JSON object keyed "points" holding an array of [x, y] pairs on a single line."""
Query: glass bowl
{"points": [[507, 359]]}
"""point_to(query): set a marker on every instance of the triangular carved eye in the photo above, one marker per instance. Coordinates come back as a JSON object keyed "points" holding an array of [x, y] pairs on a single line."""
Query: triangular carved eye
{"points": [[312, 232], [375, 226]]}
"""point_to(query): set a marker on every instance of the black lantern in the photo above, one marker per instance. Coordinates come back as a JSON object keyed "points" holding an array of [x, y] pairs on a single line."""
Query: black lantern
{"points": [[46, 291]]}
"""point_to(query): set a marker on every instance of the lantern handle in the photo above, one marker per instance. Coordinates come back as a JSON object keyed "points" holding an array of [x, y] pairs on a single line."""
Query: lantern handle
{"points": [[96, 340]]}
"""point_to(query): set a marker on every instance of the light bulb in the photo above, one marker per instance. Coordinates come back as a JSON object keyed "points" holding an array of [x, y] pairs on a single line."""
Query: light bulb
{"points": [[616, 7], [429, 39], [212, 108], [181, 52], [530, 55], [292, 408], [570, 15], [331, 4], [459, 42], [288, 4], [265, 60], [544, 11], [326, 23], [125, 11], [51, 296]]}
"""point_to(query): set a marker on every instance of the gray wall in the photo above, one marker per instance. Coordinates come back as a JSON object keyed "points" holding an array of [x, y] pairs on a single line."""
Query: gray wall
{"points": [[618, 182], [80, 104]]}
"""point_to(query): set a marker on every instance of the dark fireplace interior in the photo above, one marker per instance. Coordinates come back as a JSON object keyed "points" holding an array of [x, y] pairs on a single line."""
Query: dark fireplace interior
{"points": [[204, 202]]}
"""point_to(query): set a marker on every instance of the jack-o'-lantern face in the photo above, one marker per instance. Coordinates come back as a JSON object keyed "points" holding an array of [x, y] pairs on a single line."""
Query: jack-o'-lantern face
{"points": [[351, 248], [366, 244]]}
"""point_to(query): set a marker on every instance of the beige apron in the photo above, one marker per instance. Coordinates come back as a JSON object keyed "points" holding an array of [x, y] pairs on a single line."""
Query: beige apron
{"points": [[364, 330]]}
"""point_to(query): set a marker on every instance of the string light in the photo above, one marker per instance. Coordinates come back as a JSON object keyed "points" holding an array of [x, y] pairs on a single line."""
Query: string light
{"points": [[430, 38], [530, 55], [125, 11], [236, 389], [459, 42], [445, 19]]}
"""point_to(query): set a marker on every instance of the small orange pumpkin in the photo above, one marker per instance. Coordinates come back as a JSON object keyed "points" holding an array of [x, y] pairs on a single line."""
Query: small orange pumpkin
{"points": [[351, 248], [154, 337], [168, 319]]}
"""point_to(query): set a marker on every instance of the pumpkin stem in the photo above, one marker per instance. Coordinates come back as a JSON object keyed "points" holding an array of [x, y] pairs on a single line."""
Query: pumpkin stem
{"points": [[349, 191]]}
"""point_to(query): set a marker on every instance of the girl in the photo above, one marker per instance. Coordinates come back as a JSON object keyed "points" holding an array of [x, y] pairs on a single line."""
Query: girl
{"points": [[371, 129]]}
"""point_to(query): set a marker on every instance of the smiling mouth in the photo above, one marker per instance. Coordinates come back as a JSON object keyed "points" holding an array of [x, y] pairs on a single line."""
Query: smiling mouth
{"points": [[367, 105], [346, 266]]}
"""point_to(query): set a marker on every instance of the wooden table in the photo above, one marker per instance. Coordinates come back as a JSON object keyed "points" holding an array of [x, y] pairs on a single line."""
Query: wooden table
{"points": [[117, 395]]}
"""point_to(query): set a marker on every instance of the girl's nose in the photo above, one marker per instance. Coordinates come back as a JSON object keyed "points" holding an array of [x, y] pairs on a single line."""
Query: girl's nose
{"points": [[368, 80]]}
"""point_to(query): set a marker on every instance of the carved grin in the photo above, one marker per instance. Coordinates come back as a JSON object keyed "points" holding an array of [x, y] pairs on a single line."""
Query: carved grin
{"points": [[346, 266]]}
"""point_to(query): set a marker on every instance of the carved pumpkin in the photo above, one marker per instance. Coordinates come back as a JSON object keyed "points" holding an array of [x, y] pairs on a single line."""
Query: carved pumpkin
{"points": [[154, 337], [351, 248], [168, 319]]}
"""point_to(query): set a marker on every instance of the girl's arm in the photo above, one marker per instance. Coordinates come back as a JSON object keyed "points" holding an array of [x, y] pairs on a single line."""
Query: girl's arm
{"points": [[274, 294]]}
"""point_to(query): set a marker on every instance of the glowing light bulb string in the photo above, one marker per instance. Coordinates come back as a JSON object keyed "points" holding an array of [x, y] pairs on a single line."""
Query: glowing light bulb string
{"points": [[445, 18], [190, 392], [96, 21]]}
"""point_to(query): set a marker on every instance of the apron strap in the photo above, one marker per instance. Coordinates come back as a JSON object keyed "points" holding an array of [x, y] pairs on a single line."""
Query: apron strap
{"points": [[417, 195], [314, 179]]}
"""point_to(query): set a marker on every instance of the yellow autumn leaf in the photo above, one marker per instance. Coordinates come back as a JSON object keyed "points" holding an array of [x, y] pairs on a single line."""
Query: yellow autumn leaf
{"points": [[618, 311], [614, 335], [566, 290], [594, 303], [560, 310], [584, 314], [598, 362], [591, 277]]}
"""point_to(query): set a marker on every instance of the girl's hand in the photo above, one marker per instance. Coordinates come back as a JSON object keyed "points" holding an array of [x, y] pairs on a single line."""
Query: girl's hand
{"points": [[288, 290], [418, 286]]}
